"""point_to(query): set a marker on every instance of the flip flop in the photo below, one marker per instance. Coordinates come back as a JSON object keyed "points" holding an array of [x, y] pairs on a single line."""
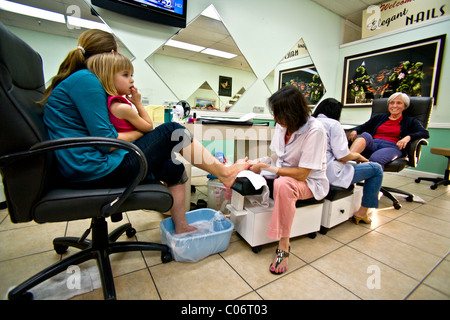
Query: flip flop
{"points": [[281, 254]]}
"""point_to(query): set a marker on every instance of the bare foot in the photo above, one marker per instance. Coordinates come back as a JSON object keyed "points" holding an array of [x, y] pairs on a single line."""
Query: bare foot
{"points": [[184, 229], [228, 174]]}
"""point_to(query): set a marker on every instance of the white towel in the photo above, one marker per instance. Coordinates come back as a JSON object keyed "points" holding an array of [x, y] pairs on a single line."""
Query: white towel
{"points": [[258, 182]]}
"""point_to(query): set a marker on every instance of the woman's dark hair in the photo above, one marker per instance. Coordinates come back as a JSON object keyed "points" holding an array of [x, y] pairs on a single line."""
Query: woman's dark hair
{"points": [[289, 108], [329, 107]]}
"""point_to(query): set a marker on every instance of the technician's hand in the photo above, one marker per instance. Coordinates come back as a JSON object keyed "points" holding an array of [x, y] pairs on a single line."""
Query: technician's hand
{"points": [[257, 167], [361, 159], [352, 135]]}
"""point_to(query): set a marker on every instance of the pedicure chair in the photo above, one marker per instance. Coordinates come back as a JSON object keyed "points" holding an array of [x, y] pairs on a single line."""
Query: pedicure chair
{"points": [[252, 221]]}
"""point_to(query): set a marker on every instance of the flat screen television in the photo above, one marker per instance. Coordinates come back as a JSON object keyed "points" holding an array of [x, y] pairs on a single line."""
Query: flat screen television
{"points": [[168, 12]]}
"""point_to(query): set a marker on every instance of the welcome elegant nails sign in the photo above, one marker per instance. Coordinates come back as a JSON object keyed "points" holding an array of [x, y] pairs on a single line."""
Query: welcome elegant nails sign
{"points": [[397, 14]]}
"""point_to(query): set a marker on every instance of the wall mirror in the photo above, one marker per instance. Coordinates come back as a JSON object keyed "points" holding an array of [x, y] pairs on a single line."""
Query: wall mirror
{"points": [[52, 27], [297, 68], [203, 65]]}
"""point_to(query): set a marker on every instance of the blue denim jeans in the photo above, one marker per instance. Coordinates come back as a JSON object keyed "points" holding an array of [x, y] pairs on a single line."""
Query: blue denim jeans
{"points": [[372, 175], [379, 150], [158, 146]]}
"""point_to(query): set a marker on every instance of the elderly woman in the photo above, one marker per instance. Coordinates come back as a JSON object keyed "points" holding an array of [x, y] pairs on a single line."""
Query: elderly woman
{"points": [[384, 136]]}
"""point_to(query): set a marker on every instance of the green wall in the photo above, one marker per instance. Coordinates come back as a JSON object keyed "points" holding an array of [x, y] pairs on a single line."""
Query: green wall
{"points": [[439, 138]]}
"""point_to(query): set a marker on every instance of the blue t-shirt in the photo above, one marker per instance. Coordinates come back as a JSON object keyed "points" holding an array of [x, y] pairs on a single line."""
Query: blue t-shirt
{"points": [[77, 108]]}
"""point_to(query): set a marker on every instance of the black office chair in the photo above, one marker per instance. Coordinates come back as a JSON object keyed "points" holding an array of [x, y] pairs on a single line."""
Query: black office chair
{"points": [[445, 181], [32, 188], [419, 107]]}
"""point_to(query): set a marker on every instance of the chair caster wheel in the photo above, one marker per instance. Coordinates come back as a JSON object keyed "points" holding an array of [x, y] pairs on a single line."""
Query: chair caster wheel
{"points": [[433, 187], [60, 248], [417, 180], [131, 232], [166, 257], [397, 206], [26, 296], [257, 249]]}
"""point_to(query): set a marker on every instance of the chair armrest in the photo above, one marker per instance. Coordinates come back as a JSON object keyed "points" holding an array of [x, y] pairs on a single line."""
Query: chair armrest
{"points": [[413, 151], [65, 143]]}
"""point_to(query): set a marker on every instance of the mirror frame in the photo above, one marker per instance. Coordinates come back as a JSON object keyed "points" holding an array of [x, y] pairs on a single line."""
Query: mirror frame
{"points": [[297, 60]]}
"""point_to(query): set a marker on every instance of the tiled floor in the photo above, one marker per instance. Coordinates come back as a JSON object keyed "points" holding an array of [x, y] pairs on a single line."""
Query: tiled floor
{"points": [[403, 254]]}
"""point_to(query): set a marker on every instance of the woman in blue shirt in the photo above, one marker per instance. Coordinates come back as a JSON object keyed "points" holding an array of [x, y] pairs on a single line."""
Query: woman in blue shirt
{"points": [[76, 106]]}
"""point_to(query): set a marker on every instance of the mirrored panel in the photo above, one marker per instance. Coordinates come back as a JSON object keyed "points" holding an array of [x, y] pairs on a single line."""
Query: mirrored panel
{"points": [[52, 27], [203, 65], [298, 69]]}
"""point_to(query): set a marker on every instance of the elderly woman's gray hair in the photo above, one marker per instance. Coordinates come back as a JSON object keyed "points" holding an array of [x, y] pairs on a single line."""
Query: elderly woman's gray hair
{"points": [[404, 96]]}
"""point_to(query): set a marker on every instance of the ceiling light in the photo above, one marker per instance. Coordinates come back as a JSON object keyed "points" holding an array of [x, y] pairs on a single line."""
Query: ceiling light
{"points": [[31, 11], [184, 45], [219, 53], [211, 12]]}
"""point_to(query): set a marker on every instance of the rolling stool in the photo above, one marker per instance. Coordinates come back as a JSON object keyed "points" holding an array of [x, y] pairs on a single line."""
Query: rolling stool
{"points": [[437, 181], [339, 206]]}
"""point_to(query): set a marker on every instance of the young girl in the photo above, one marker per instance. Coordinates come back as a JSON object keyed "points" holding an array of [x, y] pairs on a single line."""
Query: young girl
{"points": [[299, 159], [115, 72]]}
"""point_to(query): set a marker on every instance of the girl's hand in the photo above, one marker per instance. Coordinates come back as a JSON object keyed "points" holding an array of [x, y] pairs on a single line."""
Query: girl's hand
{"points": [[135, 97]]}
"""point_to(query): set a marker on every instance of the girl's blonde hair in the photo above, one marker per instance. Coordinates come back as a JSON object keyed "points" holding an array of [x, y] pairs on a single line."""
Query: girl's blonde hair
{"points": [[105, 65], [93, 41]]}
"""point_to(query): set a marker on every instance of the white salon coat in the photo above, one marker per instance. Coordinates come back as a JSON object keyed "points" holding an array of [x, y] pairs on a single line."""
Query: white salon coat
{"points": [[338, 173], [307, 149]]}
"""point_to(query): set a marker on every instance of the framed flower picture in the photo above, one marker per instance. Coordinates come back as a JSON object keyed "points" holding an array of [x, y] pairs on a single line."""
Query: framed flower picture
{"points": [[412, 68], [306, 79]]}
